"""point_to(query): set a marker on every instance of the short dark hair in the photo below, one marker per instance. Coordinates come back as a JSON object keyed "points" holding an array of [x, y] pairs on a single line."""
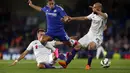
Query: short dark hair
{"points": [[50, 0], [40, 30], [99, 4]]}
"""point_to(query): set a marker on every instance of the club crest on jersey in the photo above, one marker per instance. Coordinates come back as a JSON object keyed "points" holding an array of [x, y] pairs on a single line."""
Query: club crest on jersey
{"points": [[39, 46], [46, 10], [36, 47], [55, 10]]}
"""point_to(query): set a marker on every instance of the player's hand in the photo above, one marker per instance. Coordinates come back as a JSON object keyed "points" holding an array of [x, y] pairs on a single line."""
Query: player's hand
{"points": [[94, 9], [69, 19], [91, 7], [14, 63], [66, 19], [29, 2]]}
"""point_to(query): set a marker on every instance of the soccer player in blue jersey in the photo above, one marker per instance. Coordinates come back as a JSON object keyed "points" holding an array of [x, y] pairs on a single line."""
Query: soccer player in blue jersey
{"points": [[55, 27]]}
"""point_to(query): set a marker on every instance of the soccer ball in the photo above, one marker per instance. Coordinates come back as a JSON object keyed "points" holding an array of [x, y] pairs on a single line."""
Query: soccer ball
{"points": [[105, 63]]}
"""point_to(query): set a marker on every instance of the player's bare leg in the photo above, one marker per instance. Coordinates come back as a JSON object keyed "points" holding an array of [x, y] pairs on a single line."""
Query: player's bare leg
{"points": [[55, 58], [45, 38], [67, 43], [100, 50]]}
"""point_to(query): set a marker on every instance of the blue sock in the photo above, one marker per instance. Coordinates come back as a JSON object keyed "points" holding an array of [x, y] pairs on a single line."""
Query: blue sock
{"points": [[90, 57], [62, 57], [48, 66], [71, 56]]}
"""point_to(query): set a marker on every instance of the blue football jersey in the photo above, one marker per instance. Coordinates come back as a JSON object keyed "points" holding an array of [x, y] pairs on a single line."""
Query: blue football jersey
{"points": [[54, 16]]}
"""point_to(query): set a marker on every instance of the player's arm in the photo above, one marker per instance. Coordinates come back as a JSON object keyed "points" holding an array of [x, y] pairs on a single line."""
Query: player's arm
{"points": [[51, 44], [23, 54], [67, 18], [21, 57], [58, 43], [63, 14], [79, 18], [54, 43], [38, 8], [105, 27], [102, 14]]}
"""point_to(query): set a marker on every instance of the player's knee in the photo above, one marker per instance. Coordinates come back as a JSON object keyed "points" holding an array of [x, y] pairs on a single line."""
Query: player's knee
{"points": [[67, 43], [92, 46], [40, 66], [46, 38], [77, 47]]}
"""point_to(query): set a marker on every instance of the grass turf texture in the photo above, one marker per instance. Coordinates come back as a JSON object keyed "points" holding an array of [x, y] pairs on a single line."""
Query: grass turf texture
{"points": [[76, 66]]}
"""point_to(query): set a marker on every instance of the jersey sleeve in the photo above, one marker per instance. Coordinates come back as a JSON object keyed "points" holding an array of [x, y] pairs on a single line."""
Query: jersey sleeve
{"points": [[50, 45], [61, 11], [30, 47], [44, 9], [90, 16], [106, 15]]}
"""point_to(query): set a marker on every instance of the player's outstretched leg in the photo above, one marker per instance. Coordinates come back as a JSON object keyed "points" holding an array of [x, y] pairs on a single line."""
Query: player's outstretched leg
{"points": [[90, 57], [91, 47], [70, 56], [100, 50]]}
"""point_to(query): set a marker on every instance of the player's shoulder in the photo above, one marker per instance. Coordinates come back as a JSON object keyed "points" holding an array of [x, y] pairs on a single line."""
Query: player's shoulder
{"points": [[59, 7], [35, 41], [106, 14], [91, 14], [46, 7]]}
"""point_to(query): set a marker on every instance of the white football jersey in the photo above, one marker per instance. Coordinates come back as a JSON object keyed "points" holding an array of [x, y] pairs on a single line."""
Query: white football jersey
{"points": [[40, 51], [97, 24]]}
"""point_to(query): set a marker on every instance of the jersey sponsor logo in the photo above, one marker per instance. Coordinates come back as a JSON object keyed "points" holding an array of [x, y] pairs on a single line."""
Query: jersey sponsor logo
{"points": [[96, 22], [52, 14]]}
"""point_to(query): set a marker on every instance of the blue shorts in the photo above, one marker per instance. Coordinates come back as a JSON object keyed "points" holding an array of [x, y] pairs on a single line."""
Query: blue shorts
{"points": [[60, 35]]}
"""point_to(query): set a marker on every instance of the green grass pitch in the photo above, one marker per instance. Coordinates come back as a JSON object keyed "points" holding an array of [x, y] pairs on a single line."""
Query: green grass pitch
{"points": [[76, 66]]}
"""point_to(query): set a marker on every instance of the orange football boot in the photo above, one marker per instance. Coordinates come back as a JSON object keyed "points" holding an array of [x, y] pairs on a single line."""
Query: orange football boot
{"points": [[63, 64], [87, 67]]}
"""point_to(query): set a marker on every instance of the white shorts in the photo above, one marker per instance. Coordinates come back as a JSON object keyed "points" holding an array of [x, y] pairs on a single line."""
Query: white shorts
{"points": [[89, 37], [46, 58]]}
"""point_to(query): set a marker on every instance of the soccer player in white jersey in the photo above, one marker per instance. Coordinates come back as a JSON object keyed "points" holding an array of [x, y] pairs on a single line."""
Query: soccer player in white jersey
{"points": [[93, 38], [44, 56]]}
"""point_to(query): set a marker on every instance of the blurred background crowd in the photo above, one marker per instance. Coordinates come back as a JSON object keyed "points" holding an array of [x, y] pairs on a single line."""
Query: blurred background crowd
{"points": [[19, 22]]}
